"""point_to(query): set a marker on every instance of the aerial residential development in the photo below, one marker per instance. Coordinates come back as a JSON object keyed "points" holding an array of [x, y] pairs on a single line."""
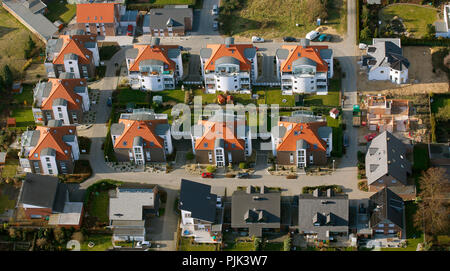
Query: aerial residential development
{"points": [[207, 125]]}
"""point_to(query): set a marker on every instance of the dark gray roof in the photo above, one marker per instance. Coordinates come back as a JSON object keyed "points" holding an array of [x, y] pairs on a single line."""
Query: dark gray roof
{"points": [[385, 204], [40, 190], [197, 199], [227, 60], [69, 138], [161, 129], [80, 89], [205, 52], [151, 62], [131, 53], [282, 53], [173, 52], [331, 212], [388, 53], [62, 196], [90, 44], [41, 25], [387, 155], [117, 128], [129, 16], [160, 17], [48, 152], [250, 52], [326, 53], [324, 131], [304, 61], [256, 210], [54, 123], [59, 102]]}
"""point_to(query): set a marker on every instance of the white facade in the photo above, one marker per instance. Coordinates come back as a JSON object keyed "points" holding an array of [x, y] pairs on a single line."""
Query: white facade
{"points": [[386, 73], [60, 113], [48, 164], [71, 65], [445, 31]]}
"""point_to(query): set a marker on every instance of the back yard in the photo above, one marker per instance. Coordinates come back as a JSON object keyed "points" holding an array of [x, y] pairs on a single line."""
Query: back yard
{"points": [[101, 242], [274, 19], [415, 18], [60, 10], [440, 107]]}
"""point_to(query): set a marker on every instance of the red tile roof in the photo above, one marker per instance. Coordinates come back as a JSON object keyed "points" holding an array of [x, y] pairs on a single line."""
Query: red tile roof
{"points": [[308, 133], [52, 137], [64, 88], [311, 52], [214, 130], [96, 13], [233, 50], [75, 45], [144, 129], [156, 52]]}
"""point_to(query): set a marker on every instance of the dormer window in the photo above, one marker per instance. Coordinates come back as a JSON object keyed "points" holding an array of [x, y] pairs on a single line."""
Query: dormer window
{"points": [[36, 155], [124, 143], [205, 145]]}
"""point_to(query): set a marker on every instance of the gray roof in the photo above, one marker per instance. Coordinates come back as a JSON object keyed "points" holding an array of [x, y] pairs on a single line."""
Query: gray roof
{"points": [[34, 5], [59, 102], [131, 53], [326, 53], [205, 53], [304, 61], [197, 199], [325, 131], [30, 138], [66, 75], [43, 191], [227, 60], [161, 129], [146, 21], [54, 123], [282, 53], [173, 53], [80, 89], [301, 144], [219, 143], [256, 210], [250, 52], [41, 90], [138, 141], [48, 152], [151, 62], [278, 131], [386, 205], [117, 128], [129, 16], [70, 56], [387, 155], [38, 22], [69, 138], [331, 212], [160, 17], [124, 231], [128, 203], [388, 53], [90, 44], [128, 223]]}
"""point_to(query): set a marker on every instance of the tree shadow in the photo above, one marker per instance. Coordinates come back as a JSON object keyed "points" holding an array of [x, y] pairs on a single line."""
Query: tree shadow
{"points": [[5, 30]]}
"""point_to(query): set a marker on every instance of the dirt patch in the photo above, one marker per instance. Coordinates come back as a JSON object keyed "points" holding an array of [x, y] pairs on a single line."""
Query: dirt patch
{"points": [[420, 74]]}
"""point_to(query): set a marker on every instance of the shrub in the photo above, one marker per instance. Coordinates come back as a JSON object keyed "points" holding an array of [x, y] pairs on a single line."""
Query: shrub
{"points": [[211, 169], [243, 165], [257, 243], [360, 165], [362, 185], [190, 156], [291, 176], [359, 176], [230, 175], [287, 244]]}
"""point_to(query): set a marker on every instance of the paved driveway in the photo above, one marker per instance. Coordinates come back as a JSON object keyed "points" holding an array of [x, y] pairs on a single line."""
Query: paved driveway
{"points": [[203, 19]]}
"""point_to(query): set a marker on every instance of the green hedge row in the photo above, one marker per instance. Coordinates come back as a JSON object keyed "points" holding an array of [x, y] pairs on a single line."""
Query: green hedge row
{"points": [[322, 188]]}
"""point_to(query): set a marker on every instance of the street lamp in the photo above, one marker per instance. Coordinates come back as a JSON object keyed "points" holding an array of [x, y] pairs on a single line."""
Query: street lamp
{"points": [[333, 164]]}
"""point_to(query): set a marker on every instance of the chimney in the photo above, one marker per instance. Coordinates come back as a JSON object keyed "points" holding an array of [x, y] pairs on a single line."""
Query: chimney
{"points": [[304, 42], [229, 41]]}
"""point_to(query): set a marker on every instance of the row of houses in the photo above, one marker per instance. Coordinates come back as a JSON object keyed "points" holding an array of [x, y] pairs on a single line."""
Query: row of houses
{"points": [[322, 216]]}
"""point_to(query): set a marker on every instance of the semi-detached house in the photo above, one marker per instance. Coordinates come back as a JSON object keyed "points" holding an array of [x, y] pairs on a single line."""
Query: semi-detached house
{"points": [[304, 68], [49, 150], [228, 67], [60, 99], [154, 67], [102, 19], [76, 53], [142, 137]]}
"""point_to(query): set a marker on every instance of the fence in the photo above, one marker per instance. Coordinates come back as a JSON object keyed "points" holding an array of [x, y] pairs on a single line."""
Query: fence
{"points": [[267, 84], [192, 82]]}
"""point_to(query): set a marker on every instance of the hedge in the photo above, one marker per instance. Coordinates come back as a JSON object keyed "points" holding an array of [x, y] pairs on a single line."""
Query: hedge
{"points": [[101, 185], [322, 188]]}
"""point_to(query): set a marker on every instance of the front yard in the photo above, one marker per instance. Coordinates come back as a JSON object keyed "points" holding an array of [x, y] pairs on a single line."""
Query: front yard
{"points": [[188, 244], [332, 99], [98, 206]]}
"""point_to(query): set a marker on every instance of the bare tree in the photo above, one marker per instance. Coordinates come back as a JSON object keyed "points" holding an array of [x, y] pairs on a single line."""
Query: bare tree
{"points": [[433, 212]]}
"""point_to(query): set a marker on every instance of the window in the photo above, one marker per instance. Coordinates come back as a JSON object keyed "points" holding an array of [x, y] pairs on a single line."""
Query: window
{"points": [[394, 181], [124, 143], [381, 71], [50, 171], [36, 167], [63, 167], [47, 159], [315, 146], [36, 155], [205, 145], [233, 145], [151, 144], [391, 225], [381, 225]]}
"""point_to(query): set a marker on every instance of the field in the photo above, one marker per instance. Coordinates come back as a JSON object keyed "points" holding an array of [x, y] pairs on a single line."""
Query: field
{"points": [[13, 38], [60, 10], [275, 19], [414, 18]]}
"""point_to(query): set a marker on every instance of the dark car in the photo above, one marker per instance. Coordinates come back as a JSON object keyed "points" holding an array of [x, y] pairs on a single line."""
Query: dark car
{"points": [[130, 30], [289, 39], [207, 175], [109, 101], [242, 175]]}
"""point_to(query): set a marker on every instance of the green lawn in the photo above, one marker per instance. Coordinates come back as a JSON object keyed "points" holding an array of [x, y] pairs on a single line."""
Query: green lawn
{"points": [[415, 18], [176, 95], [274, 96], [275, 19], [439, 101], [98, 206], [337, 135], [130, 96], [206, 98], [102, 242], [187, 246], [240, 246], [24, 117], [60, 10], [26, 97], [332, 99], [6, 203], [272, 247], [10, 167]]}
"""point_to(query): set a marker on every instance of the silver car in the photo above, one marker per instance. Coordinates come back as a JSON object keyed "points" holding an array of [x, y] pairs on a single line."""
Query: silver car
{"points": [[215, 10], [215, 26]]}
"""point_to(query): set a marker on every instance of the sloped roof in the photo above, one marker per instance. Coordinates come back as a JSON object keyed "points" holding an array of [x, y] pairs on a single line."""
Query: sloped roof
{"points": [[52, 137], [218, 51], [299, 55], [43, 191], [96, 13], [388, 53], [64, 89], [149, 52], [387, 155], [75, 45], [305, 131], [385, 204], [197, 199], [161, 17]]}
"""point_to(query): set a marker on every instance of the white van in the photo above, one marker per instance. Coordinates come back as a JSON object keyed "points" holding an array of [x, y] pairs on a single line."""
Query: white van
{"points": [[312, 35], [257, 39]]}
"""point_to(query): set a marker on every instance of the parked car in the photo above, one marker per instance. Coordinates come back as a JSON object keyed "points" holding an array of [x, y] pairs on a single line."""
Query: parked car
{"points": [[130, 30], [312, 35], [242, 175], [109, 101], [324, 37], [257, 39], [346, 140], [215, 10], [219, 201], [371, 136], [289, 39], [215, 26], [141, 244], [207, 175]]}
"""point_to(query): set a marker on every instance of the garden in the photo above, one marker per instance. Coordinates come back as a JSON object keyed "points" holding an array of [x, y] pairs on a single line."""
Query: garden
{"points": [[60, 10]]}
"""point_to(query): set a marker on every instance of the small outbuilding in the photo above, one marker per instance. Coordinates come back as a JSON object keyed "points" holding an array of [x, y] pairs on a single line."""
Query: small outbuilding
{"points": [[334, 113]]}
